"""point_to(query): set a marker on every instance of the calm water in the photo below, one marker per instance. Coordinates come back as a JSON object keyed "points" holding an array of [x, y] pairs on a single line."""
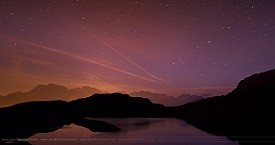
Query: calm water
{"points": [[149, 131]]}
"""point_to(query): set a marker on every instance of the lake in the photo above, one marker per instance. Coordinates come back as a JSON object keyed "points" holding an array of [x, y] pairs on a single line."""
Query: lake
{"points": [[149, 131]]}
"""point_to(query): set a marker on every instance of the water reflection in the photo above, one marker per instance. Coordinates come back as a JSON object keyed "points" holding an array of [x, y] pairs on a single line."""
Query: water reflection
{"points": [[149, 131]]}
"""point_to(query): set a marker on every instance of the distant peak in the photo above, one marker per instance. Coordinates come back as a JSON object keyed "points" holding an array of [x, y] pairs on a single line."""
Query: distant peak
{"points": [[146, 93], [48, 87], [86, 87], [89, 88]]}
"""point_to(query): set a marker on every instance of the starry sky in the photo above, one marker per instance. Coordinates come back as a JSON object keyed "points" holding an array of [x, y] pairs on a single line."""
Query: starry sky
{"points": [[168, 46]]}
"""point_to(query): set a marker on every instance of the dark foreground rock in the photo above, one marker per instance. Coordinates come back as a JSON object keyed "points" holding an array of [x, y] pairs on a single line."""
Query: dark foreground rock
{"points": [[245, 114]]}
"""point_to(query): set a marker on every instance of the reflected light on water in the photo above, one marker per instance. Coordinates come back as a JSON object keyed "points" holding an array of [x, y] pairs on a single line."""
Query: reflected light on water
{"points": [[153, 131]]}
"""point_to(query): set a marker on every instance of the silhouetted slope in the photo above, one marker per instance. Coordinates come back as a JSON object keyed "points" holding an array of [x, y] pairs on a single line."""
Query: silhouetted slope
{"points": [[26, 119], [167, 100], [47, 93], [263, 81], [116, 105], [187, 98], [154, 97], [246, 111]]}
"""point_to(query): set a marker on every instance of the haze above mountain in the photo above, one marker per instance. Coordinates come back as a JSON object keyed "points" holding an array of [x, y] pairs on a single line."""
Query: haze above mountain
{"points": [[58, 92]]}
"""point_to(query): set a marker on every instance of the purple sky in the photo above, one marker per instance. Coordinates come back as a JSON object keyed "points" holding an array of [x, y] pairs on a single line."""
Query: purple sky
{"points": [[169, 46]]}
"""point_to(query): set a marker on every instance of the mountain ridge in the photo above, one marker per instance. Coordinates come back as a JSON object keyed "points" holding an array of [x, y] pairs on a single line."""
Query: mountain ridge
{"points": [[244, 112], [58, 92], [162, 98], [47, 93], [243, 115]]}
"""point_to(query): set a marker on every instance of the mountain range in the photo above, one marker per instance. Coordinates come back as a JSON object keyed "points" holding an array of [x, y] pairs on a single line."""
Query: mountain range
{"points": [[167, 100], [58, 92], [47, 93], [244, 115]]}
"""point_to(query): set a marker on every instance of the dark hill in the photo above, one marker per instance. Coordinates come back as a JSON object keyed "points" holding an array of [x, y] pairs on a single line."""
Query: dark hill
{"points": [[263, 81], [245, 114], [116, 105], [26, 119]]}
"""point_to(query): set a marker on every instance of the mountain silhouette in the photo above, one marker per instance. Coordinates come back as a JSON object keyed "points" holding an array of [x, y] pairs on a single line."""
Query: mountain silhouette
{"points": [[245, 114], [116, 105], [167, 100], [57, 92], [47, 93], [187, 98]]}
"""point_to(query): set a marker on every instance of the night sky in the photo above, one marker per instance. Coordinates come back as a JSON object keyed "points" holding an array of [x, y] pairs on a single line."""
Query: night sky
{"points": [[168, 46]]}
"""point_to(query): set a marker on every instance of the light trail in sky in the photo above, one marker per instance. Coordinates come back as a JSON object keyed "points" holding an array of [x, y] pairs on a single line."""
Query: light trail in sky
{"points": [[80, 58], [132, 62]]}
